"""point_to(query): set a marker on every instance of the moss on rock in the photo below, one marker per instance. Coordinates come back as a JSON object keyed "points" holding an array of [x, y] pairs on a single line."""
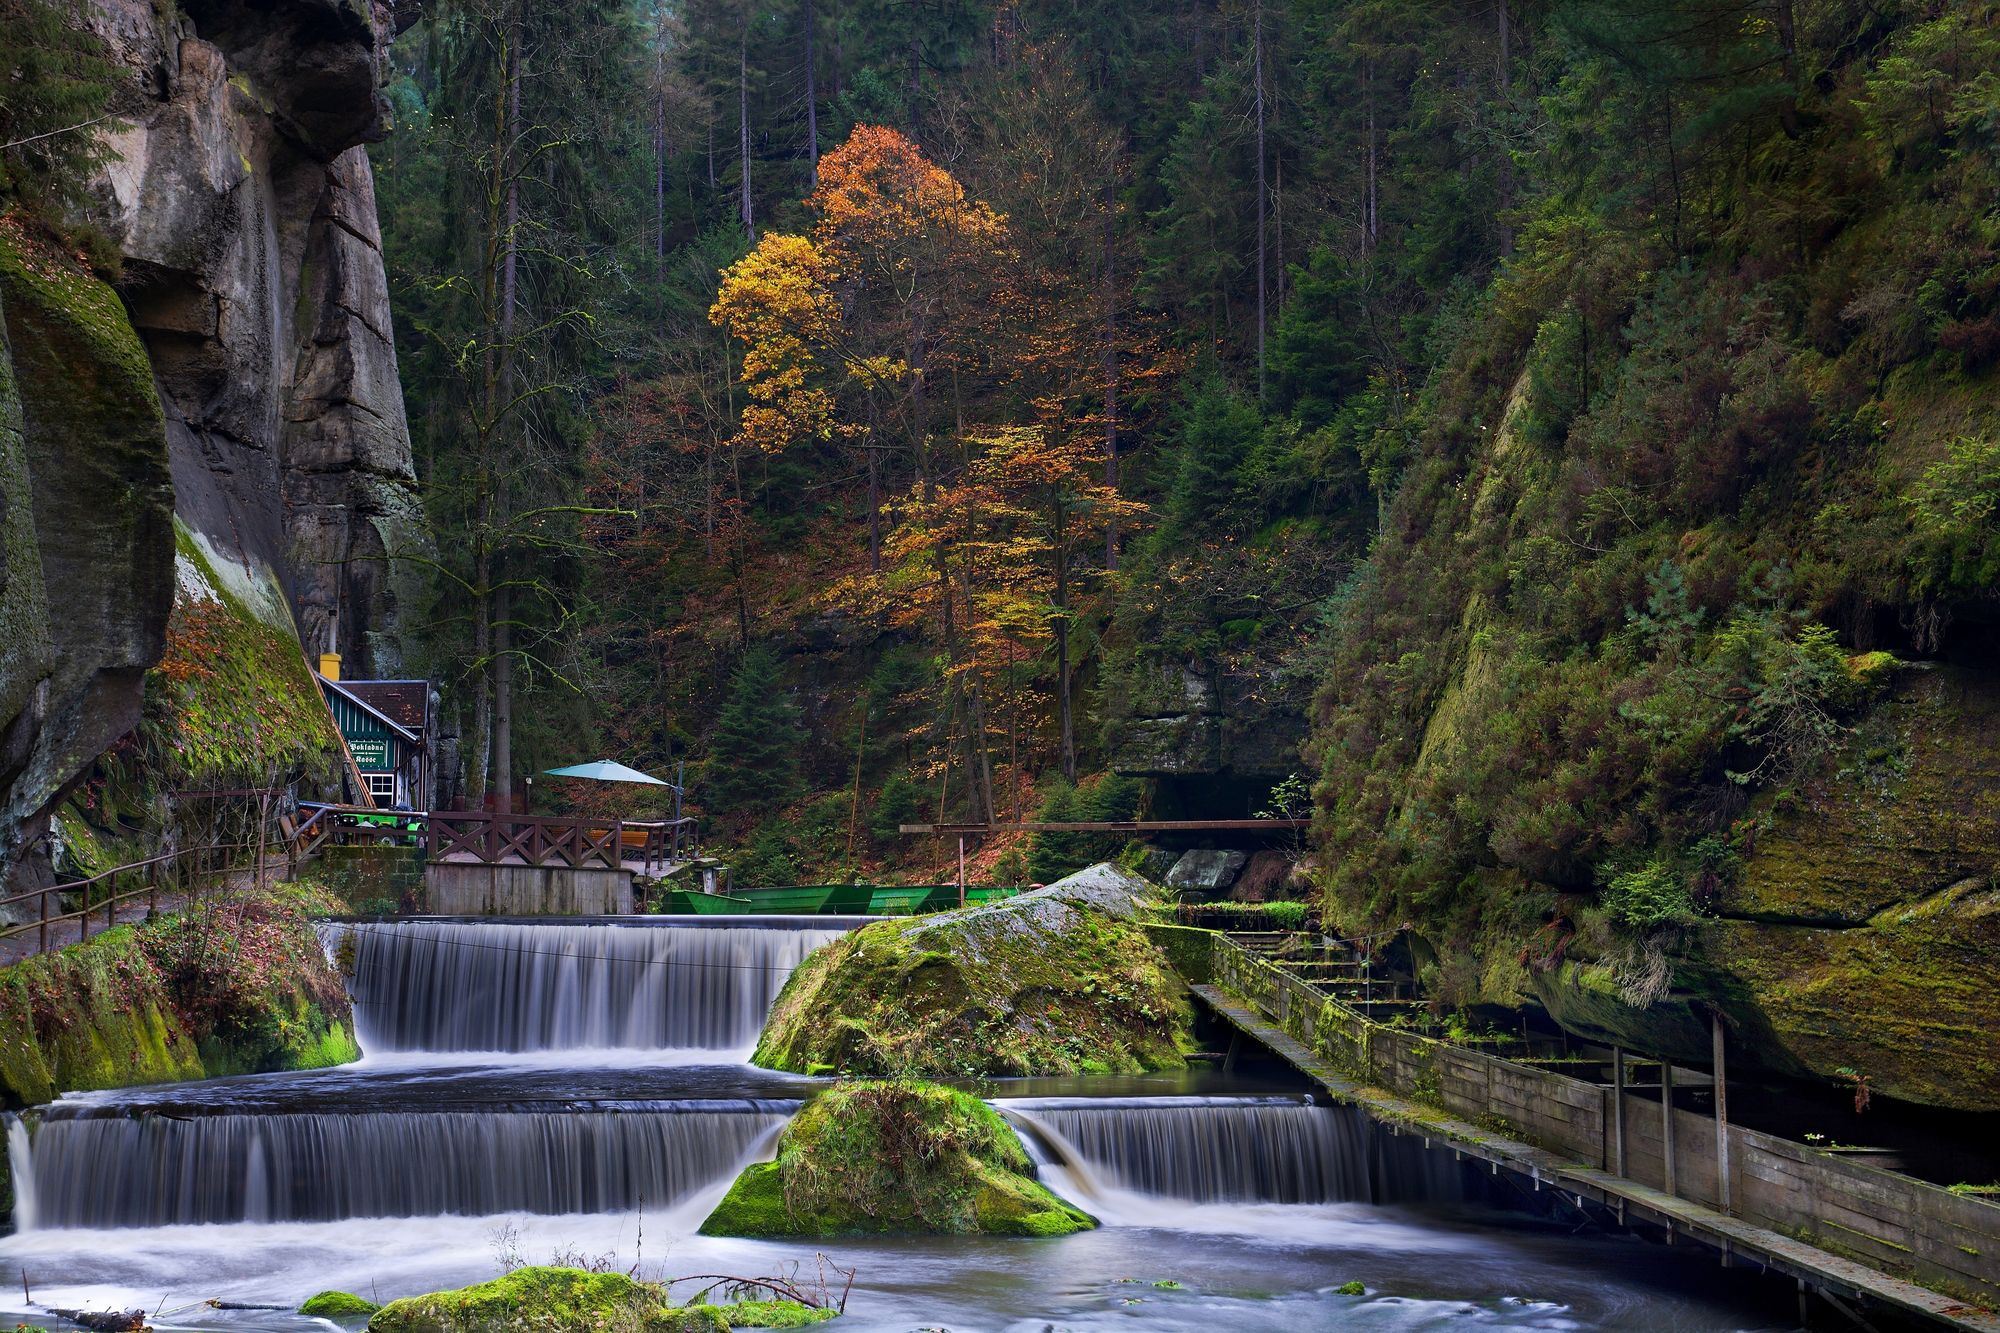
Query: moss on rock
{"points": [[337, 1305], [243, 988], [1860, 929], [555, 1300], [895, 1156], [1050, 982]]}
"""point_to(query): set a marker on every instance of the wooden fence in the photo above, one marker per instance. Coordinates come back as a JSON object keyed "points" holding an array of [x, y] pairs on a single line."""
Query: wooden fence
{"points": [[1892, 1222]]}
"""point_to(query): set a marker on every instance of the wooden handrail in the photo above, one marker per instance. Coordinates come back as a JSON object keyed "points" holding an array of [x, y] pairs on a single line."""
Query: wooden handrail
{"points": [[109, 904]]}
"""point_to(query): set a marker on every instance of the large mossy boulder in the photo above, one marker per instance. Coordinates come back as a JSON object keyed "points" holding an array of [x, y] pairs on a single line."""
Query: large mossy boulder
{"points": [[1058, 981], [556, 1300], [895, 1156]]}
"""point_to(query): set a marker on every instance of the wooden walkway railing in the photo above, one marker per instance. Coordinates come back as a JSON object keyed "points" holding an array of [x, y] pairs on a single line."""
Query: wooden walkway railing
{"points": [[150, 873], [576, 842]]}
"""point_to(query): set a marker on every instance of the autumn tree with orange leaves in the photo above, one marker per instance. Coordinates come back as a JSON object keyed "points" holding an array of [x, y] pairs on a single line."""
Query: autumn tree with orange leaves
{"points": [[845, 330]]}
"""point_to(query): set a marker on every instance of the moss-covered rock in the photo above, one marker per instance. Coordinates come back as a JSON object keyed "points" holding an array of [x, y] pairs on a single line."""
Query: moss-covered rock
{"points": [[894, 1156], [338, 1305], [555, 1300], [1056, 981], [87, 528], [1860, 930], [240, 989]]}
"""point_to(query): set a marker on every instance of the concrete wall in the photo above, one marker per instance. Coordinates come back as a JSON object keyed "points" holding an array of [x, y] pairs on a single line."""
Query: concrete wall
{"points": [[1892, 1222], [470, 889]]}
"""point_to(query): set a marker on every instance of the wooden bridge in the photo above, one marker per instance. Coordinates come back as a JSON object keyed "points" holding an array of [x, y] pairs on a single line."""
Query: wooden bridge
{"points": [[487, 863], [464, 837]]}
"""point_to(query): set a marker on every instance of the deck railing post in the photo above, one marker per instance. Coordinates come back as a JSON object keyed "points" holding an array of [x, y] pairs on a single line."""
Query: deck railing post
{"points": [[1618, 1110], [1667, 1123], [1721, 1114]]}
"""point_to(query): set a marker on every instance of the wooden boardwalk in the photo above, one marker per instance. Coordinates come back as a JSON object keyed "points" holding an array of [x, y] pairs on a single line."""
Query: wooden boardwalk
{"points": [[1841, 1282]]}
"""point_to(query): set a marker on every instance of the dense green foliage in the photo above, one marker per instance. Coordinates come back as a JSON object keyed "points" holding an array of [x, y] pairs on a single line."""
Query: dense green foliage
{"points": [[753, 755], [897, 1156], [1586, 401]]}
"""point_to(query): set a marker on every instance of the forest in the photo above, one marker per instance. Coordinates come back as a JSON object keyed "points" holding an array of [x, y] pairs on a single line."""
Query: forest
{"points": [[1264, 641], [879, 407]]}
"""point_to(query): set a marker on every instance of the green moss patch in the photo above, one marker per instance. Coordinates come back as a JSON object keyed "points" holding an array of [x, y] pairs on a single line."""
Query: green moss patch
{"points": [[545, 1300], [243, 987], [338, 1305], [232, 695], [1033, 985], [894, 1156]]}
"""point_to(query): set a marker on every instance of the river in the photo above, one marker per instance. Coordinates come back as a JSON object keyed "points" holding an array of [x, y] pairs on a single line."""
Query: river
{"points": [[580, 1093]]}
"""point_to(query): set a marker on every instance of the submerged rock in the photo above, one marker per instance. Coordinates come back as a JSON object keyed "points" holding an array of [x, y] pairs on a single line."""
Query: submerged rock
{"points": [[894, 1157], [546, 1300], [1058, 981]]}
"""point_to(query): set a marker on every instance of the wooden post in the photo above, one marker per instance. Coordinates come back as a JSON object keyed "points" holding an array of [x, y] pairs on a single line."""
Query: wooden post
{"points": [[1667, 1123], [44, 944], [1618, 1110], [1721, 1114], [961, 870]]}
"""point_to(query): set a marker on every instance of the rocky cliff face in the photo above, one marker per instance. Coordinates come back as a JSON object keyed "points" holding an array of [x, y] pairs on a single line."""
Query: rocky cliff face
{"points": [[239, 379]]}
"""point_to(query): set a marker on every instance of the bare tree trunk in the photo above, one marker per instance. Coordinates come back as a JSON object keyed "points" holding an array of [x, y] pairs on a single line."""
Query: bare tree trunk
{"points": [[812, 103], [660, 190], [503, 703], [510, 265], [1107, 358], [1263, 200], [874, 505], [1506, 79], [1368, 215], [1065, 722], [743, 126]]}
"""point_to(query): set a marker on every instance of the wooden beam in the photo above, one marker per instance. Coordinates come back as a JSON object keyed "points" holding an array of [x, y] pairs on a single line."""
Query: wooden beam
{"points": [[1112, 826]]}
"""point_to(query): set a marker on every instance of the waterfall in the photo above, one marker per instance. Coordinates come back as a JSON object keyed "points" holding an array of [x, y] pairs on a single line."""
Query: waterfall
{"points": [[444, 986], [21, 1172], [122, 1171], [1229, 1150]]}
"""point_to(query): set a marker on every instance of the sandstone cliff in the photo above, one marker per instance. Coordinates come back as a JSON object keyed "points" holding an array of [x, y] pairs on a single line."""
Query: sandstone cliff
{"points": [[238, 378]]}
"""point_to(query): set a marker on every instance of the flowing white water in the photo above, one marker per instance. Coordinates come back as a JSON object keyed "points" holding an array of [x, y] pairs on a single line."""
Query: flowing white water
{"points": [[21, 1172], [1138, 1159], [114, 1171], [437, 986]]}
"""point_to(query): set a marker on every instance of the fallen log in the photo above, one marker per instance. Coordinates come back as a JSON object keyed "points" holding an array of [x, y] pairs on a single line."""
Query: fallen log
{"points": [[104, 1321]]}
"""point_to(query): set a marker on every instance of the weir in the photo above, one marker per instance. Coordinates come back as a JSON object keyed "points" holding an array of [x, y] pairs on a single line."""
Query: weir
{"points": [[1231, 1150], [446, 986], [113, 1171]]}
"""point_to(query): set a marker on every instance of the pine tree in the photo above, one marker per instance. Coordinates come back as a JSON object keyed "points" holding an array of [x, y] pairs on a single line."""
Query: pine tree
{"points": [[753, 756], [55, 83]]}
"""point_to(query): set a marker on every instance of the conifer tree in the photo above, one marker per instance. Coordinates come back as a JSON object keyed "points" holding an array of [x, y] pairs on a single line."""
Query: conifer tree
{"points": [[753, 757], [55, 84]]}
